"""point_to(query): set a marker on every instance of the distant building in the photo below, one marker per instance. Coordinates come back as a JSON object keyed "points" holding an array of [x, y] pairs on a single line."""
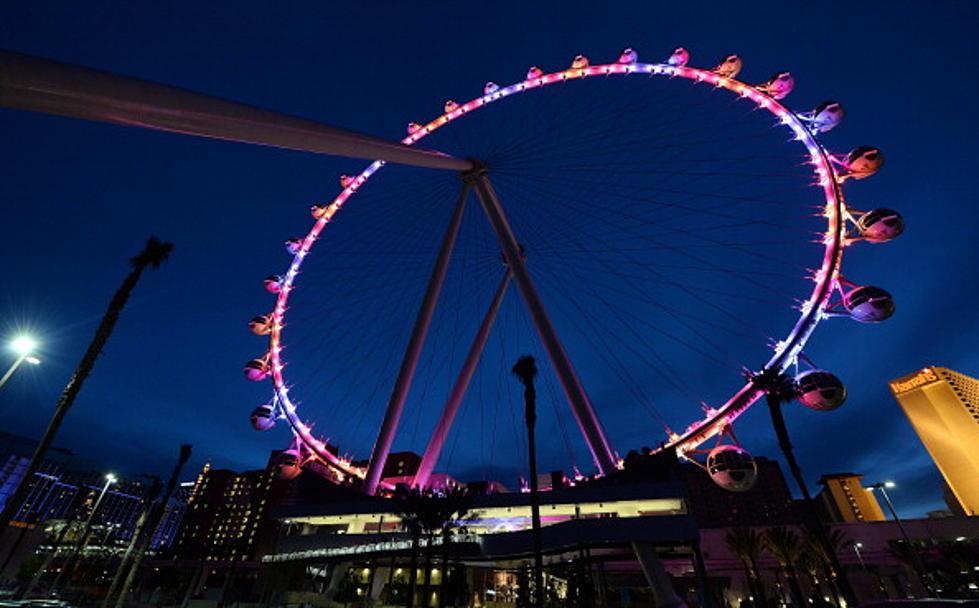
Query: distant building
{"points": [[223, 515], [769, 502], [845, 500], [65, 487], [943, 408]]}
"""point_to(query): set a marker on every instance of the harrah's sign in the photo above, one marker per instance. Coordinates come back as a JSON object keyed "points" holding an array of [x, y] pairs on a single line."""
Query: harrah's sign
{"points": [[925, 376]]}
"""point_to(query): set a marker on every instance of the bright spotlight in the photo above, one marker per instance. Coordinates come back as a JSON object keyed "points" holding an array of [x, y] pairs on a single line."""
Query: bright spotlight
{"points": [[23, 345]]}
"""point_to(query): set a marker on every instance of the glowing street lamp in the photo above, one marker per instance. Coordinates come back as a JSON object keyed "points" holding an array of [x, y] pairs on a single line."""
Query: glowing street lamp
{"points": [[919, 567], [24, 346], [71, 562]]}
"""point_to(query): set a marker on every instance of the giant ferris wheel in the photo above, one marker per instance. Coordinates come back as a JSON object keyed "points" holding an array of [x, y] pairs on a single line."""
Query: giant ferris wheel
{"points": [[667, 237], [664, 234]]}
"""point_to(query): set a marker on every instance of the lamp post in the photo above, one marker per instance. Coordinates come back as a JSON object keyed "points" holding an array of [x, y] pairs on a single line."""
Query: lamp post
{"points": [[24, 346], [919, 567], [83, 539]]}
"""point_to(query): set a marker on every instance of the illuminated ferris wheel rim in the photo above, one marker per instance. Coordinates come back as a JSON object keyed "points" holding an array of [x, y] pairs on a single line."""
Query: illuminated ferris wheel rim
{"points": [[785, 351]]}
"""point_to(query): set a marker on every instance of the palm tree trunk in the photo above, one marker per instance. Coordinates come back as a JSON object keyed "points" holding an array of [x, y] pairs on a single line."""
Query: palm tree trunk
{"points": [[444, 580], [413, 571], [526, 370], [760, 596], [154, 254], [782, 432], [47, 561], [798, 599], [427, 585], [140, 524], [156, 514]]}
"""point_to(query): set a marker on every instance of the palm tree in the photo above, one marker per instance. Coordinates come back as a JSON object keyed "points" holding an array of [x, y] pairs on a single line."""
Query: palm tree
{"points": [[747, 545], [153, 255], [153, 520], [838, 541], [456, 504], [780, 388], [410, 506], [786, 546], [526, 370]]}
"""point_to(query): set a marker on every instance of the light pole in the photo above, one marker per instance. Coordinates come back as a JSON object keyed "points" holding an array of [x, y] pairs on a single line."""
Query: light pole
{"points": [[919, 567], [83, 539], [24, 346]]}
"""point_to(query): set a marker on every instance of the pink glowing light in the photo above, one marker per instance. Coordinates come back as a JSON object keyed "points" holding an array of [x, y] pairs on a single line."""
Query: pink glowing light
{"points": [[813, 309]]}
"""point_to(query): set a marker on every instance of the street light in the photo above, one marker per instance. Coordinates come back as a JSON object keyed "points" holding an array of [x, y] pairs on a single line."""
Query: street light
{"points": [[919, 567], [83, 540], [24, 346]]}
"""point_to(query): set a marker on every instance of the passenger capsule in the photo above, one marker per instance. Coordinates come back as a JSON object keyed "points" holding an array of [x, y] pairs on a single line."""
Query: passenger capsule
{"points": [[869, 304], [262, 418], [863, 162], [628, 56], [729, 67], [413, 127], [826, 116], [346, 181], [261, 325], [779, 85], [880, 225], [450, 106], [534, 72], [490, 87], [680, 57], [732, 468], [289, 466], [579, 62], [820, 390], [319, 211], [273, 283], [294, 245], [256, 370]]}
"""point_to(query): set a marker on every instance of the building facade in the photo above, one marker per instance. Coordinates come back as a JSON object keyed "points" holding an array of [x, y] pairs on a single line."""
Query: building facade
{"points": [[943, 407], [845, 500]]}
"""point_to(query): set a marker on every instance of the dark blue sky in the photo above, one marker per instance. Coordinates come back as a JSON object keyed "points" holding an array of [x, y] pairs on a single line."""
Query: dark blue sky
{"points": [[80, 198]]}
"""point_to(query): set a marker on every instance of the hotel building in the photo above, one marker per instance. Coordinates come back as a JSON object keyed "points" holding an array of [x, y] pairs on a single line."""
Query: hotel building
{"points": [[943, 407]]}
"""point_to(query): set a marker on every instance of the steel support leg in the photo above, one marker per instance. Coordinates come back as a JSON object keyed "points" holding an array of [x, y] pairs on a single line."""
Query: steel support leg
{"points": [[441, 432], [583, 411], [413, 351]]}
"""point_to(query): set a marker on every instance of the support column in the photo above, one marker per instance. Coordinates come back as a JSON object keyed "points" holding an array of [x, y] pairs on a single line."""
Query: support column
{"points": [[392, 416], [580, 405], [441, 432], [657, 577]]}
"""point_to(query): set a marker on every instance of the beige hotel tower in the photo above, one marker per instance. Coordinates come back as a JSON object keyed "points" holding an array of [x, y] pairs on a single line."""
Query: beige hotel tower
{"points": [[943, 407]]}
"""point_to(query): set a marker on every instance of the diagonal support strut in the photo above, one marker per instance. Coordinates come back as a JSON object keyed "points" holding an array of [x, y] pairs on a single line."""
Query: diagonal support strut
{"points": [[441, 432], [396, 404], [52, 87], [584, 413]]}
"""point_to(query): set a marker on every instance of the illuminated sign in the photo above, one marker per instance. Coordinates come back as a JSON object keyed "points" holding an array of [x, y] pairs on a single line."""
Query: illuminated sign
{"points": [[925, 376]]}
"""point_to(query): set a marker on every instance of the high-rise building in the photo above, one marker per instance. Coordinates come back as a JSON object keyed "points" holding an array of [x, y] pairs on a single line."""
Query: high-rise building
{"points": [[845, 500], [943, 407]]}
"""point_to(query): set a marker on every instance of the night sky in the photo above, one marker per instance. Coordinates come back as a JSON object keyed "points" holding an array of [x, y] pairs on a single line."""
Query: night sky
{"points": [[80, 198]]}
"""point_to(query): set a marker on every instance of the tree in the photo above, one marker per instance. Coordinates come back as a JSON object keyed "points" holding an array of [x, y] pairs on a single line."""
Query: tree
{"points": [[526, 370], [786, 546], [821, 558], [780, 388], [747, 545], [153, 255], [156, 514], [410, 506], [430, 515]]}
